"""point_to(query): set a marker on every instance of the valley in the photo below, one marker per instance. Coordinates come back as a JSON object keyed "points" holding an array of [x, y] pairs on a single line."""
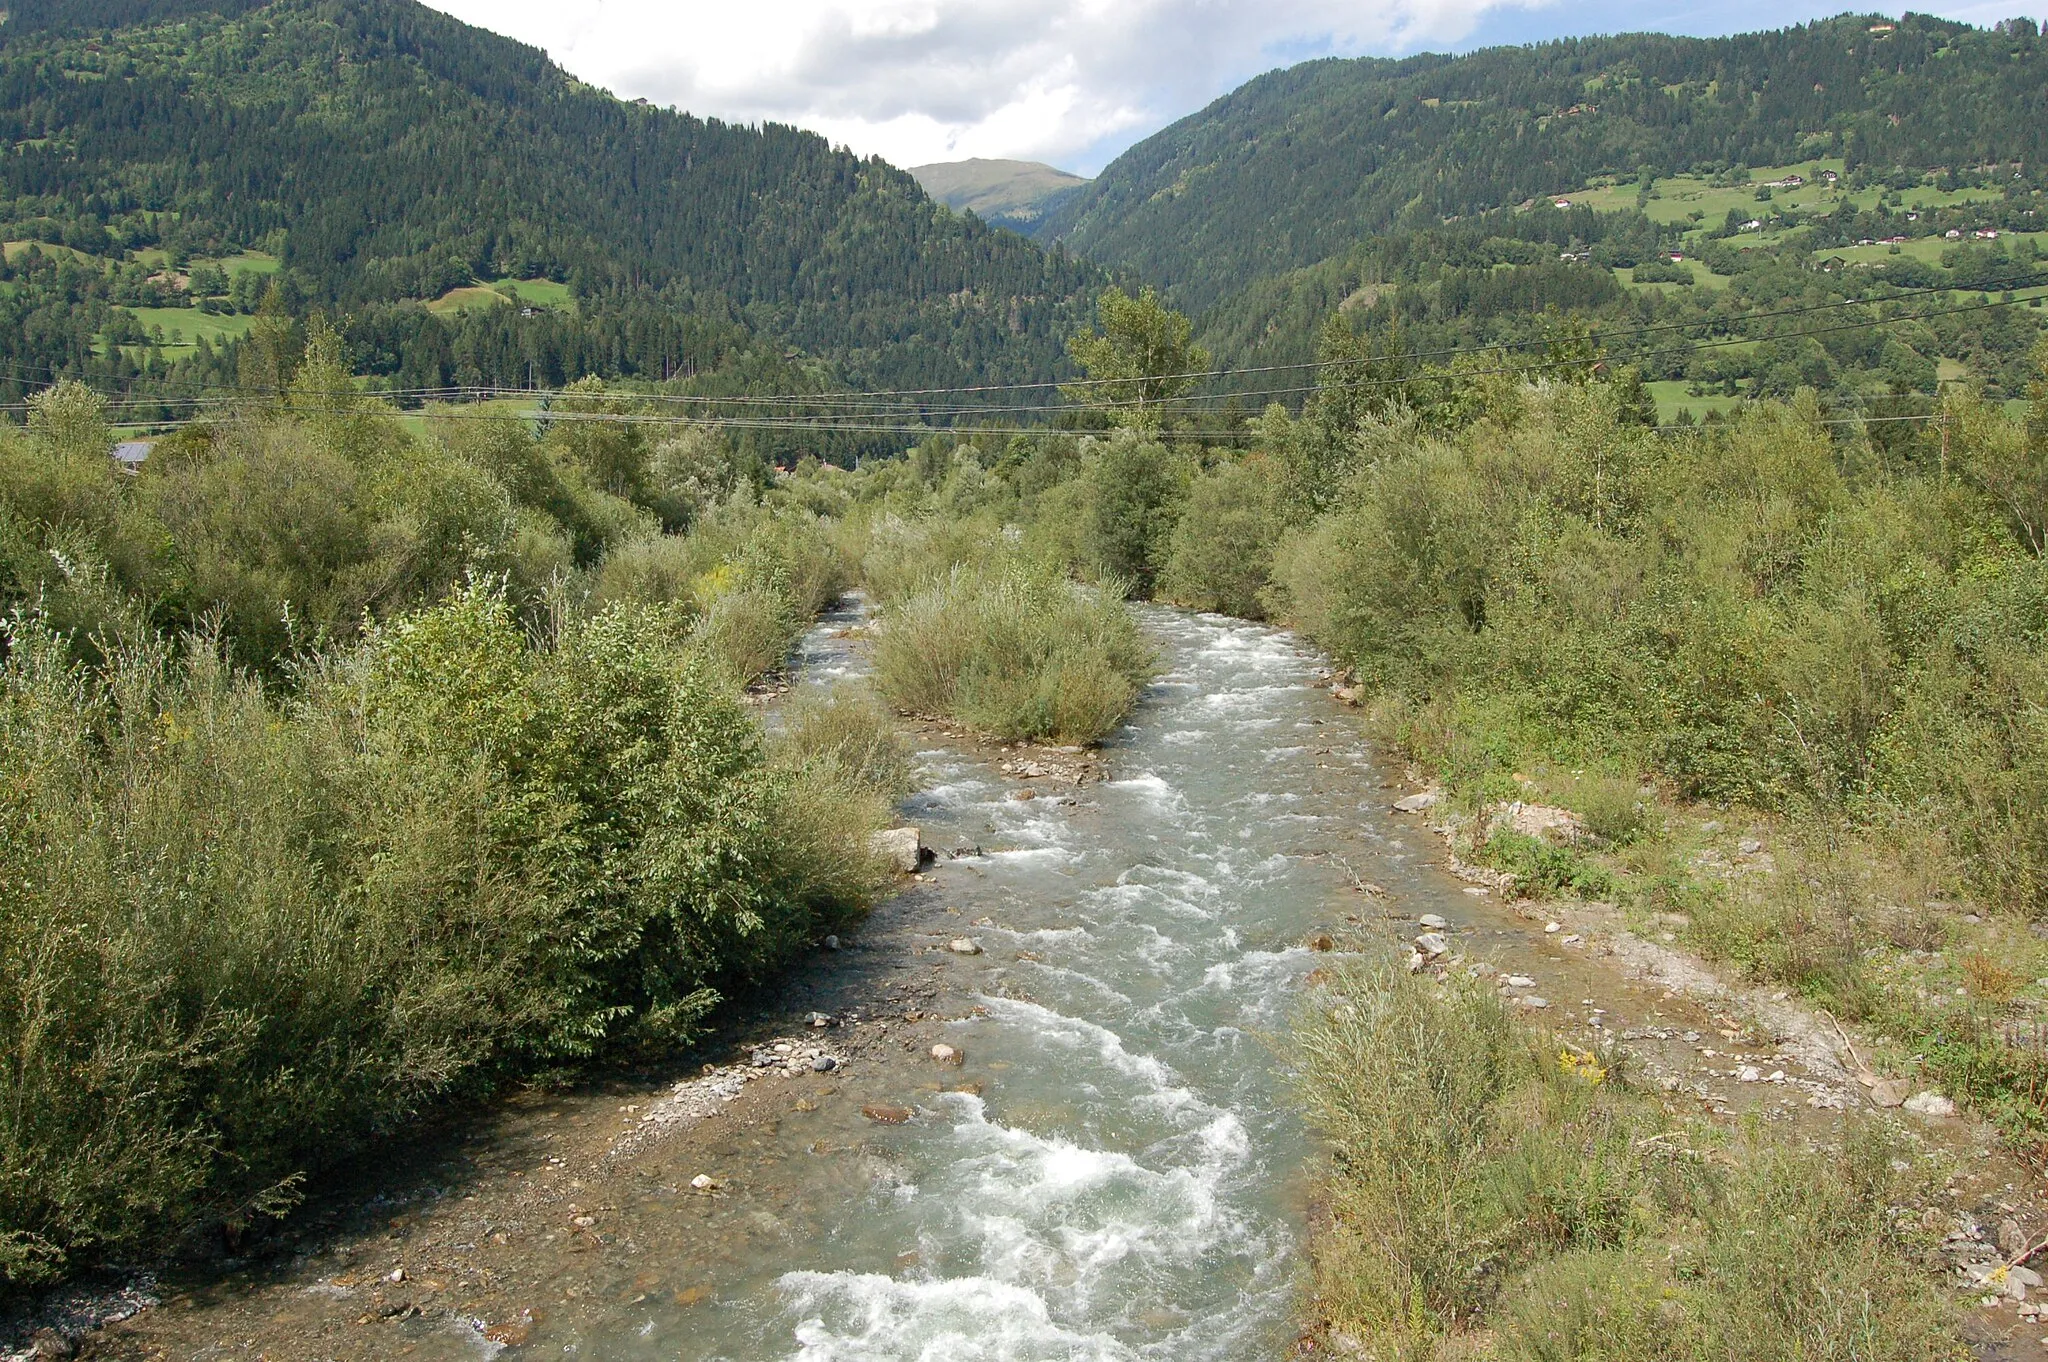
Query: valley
{"points": [[1407, 726]]}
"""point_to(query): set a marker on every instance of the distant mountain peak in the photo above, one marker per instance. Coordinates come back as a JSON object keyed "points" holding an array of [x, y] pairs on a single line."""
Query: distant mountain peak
{"points": [[1007, 193]]}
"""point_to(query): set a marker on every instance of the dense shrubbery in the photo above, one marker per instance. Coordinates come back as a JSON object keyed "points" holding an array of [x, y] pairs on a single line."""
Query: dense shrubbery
{"points": [[252, 928], [1483, 1175], [348, 770], [1015, 650], [1769, 614]]}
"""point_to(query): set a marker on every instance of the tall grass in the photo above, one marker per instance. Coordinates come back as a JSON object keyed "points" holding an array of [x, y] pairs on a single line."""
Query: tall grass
{"points": [[1492, 1193], [1014, 650]]}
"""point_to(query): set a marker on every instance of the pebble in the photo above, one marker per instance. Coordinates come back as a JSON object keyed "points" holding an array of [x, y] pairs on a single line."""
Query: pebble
{"points": [[703, 1182], [1749, 1073], [965, 946], [1553, 928], [397, 1274], [831, 943], [824, 1064], [1431, 922], [1749, 846], [1429, 943], [884, 1114], [1531, 1000], [1415, 803], [1520, 981], [946, 1054]]}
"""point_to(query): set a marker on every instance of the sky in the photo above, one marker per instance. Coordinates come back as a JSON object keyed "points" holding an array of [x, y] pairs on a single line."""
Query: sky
{"points": [[1070, 82]]}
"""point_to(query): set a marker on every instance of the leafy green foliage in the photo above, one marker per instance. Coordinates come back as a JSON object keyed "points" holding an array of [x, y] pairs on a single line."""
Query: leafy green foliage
{"points": [[1220, 553], [1015, 650], [253, 930], [1142, 358]]}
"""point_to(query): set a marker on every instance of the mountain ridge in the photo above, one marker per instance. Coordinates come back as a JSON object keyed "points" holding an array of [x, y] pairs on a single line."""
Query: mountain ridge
{"points": [[391, 153], [1007, 193], [1298, 164]]}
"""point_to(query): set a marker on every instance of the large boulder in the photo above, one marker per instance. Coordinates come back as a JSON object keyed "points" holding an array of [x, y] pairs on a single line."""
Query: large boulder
{"points": [[902, 848]]}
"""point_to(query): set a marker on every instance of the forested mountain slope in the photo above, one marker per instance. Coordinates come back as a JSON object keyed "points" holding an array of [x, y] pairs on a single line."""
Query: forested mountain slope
{"points": [[1297, 165], [385, 154]]}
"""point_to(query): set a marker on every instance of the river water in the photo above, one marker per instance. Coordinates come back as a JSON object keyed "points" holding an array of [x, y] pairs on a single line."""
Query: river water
{"points": [[1127, 1182]]}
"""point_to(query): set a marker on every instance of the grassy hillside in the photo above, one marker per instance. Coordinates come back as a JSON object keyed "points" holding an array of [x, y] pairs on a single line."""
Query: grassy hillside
{"points": [[1007, 193], [1300, 164]]}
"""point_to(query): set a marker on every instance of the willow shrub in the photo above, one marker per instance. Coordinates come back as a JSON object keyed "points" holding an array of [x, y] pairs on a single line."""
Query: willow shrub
{"points": [[1758, 612], [1014, 650], [244, 933], [1219, 555]]}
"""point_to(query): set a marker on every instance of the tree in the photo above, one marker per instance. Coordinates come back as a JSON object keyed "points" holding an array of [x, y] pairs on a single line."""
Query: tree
{"points": [[69, 420], [1142, 360], [1135, 488]]}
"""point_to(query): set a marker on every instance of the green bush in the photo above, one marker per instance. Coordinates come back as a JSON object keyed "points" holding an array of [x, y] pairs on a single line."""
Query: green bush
{"points": [[1738, 610], [1542, 870], [247, 931], [1015, 651], [1220, 554], [846, 731], [1798, 1254], [1462, 1151]]}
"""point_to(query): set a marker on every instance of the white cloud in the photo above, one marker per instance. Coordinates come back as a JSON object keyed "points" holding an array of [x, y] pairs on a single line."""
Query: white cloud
{"points": [[1067, 81]]}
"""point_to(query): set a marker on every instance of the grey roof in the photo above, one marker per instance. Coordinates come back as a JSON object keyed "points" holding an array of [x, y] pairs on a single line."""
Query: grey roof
{"points": [[132, 451]]}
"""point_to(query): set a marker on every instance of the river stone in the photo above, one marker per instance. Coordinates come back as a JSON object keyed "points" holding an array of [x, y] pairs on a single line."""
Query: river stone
{"points": [[902, 848], [824, 1064], [1888, 1092], [883, 1114], [1431, 922], [963, 945], [831, 943], [946, 1054], [703, 1182], [1429, 943], [1520, 981], [1930, 1104], [1415, 803], [1749, 1073], [1417, 962]]}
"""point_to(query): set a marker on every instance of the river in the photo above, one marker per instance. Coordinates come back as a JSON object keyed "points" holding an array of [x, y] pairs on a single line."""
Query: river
{"points": [[1111, 1169], [1128, 1182]]}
